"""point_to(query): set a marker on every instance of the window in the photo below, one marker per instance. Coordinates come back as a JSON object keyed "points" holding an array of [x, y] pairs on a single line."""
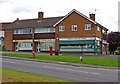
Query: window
{"points": [[74, 27], [23, 31], [45, 46], [61, 28], [44, 30], [51, 29], [104, 32], [98, 28], [24, 46], [87, 26]]}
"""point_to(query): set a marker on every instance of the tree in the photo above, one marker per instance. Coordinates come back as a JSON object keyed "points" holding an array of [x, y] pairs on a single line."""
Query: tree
{"points": [[114, 41]]}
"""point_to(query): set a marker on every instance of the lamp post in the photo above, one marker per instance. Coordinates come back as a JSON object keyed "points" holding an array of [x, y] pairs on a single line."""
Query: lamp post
{"points": [[57, 45], [38, 47], [94, 43]]}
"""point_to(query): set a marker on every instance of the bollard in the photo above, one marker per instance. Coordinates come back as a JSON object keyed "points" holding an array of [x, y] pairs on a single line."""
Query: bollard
{"points": [[81, 58], [33, 53]]}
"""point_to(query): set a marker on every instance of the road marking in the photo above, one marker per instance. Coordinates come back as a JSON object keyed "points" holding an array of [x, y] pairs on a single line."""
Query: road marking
{"points": [[72, 70], [9, 61], [97, 68], [62, 62]]}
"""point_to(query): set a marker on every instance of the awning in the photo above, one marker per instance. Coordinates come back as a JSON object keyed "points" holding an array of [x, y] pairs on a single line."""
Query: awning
{"points": [[76, 41]]}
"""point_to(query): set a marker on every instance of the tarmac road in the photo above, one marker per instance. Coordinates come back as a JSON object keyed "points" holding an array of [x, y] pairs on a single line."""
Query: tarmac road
{"points": [[65, 72]]}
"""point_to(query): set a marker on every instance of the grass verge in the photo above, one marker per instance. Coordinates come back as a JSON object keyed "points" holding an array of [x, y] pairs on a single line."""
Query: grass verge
{"points": [[18, 76], [74, 59]]}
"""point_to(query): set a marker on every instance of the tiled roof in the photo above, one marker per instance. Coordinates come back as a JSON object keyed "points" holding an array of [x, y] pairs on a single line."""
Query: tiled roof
{"points": [[46, 22], [4, 24], [32, 23]]}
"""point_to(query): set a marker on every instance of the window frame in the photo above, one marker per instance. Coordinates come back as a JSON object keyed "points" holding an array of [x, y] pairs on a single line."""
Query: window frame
{"points": [[62, 28], [23, 31], [87, 26], [98, 28], [44, 30], [74, 27]]}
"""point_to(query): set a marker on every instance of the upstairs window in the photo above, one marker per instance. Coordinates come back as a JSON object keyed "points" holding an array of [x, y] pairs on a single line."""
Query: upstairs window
{"points": [[98, 28], [45, 30], [74, 27], [61, 28], [104, 32], [87, 26], [23, 31]]}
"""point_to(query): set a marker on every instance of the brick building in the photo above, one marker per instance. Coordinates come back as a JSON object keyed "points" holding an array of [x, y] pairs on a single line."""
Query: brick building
{"points": [[73, 33], [2, 26]]}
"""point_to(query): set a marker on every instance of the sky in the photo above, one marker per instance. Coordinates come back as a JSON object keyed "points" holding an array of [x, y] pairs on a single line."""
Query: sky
{"points": [[106, 10]]}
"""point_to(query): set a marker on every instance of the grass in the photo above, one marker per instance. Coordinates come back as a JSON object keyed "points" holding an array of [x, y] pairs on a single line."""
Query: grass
{"points": [[19, 76], [75, 59]]}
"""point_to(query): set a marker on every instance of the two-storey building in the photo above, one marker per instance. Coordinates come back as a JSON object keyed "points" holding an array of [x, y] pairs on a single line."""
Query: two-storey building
{"points": [[2, 26], [73, 33]]}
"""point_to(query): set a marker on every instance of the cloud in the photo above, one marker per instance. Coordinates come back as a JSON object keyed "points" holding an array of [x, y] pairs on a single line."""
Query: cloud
{"points": [[106, 13], [19, 9], [2, 1]]}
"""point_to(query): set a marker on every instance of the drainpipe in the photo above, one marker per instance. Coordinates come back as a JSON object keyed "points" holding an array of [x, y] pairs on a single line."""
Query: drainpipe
{"points": [[33, 43]]}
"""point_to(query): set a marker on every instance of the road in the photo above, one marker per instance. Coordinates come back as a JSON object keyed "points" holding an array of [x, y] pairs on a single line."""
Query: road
{"points": [[66, 72]]}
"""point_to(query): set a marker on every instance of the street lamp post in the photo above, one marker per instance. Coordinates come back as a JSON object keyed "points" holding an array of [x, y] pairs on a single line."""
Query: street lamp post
{"points": [[94, 43], [57, 45]]}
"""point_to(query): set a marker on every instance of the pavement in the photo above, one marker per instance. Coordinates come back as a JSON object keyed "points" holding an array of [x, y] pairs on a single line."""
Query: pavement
{"points": [[62, 63]]}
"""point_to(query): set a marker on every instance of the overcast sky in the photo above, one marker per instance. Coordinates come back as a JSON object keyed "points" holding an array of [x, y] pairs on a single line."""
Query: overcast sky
{"points": [[106, 10]]}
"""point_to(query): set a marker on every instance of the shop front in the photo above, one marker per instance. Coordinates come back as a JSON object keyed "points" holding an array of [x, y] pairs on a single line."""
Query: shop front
{"points": [[79, 46]]}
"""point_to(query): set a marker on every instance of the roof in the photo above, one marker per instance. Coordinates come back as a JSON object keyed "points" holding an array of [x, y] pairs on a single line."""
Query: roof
{"points": [[47, 22], [4, 24], [31, 23], [82, 16]]}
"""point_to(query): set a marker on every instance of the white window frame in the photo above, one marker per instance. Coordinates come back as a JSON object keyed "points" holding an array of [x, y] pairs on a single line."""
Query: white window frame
{"points": [[61, 28], [87, 26], [44, 30], [74, 27], [20, 31], [98, 28]]}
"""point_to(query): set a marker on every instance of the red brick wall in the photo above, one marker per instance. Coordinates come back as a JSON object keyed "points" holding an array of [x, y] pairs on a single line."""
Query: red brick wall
{"points": [[8, 43], [72, 19]]}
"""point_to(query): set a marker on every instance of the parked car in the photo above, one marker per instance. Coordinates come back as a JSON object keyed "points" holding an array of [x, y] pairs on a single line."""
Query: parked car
{"points": [[117, 51]]}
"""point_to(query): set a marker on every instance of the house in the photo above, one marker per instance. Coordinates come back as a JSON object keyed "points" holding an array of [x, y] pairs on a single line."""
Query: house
{"points": [[73, 33]]}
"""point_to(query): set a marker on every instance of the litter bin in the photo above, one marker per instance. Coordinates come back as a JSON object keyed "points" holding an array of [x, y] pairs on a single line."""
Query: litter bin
{"points": [[56, 52]]}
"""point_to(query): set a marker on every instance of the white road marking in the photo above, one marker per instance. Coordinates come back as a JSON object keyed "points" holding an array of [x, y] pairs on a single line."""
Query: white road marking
{"points": [[72, 70], [97, 68], [62, 62], [9, 61]]}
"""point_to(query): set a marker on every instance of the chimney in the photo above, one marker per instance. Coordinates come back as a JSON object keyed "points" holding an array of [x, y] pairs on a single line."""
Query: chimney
{"points": [[40, 15], [92, 16]]}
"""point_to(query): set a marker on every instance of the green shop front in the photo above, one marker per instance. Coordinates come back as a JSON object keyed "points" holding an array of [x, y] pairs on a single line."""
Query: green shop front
{"points": [[92, 46]]}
